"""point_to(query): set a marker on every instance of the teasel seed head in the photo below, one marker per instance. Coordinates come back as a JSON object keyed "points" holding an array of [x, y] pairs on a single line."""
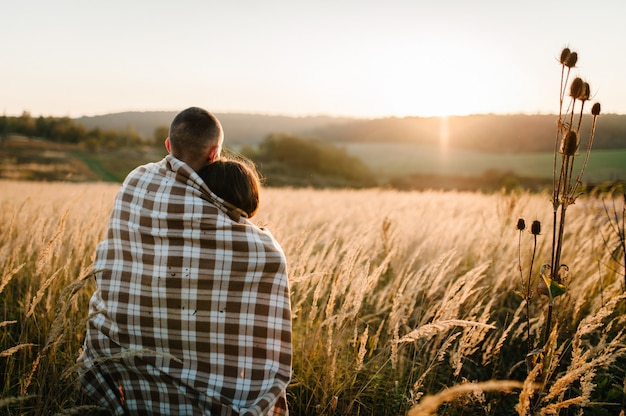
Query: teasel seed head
{"points": [[521, 224], [546, 272], [576, 88], [563, 273], [572, 58], [535, 228], [569, 144], [585, 92], [595, 110], [565, 53]]}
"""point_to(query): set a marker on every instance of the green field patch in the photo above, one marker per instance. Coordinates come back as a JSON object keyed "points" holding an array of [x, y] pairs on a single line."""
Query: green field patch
{"points": [[96, 166], [392, 159]]}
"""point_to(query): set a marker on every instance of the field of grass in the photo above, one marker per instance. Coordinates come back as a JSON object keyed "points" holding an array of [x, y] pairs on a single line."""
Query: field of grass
{"points": [[23, 158], [403, 302], [392, 159]]}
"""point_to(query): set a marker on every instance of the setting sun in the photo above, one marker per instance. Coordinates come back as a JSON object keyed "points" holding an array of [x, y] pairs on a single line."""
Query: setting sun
{"points": [[441, 77]]}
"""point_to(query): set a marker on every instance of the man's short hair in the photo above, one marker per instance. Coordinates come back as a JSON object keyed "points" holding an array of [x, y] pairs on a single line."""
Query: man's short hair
{"points": [[192, 132]]}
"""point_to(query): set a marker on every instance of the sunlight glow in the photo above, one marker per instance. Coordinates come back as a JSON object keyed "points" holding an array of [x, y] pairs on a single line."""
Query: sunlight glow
{"points": [[349, 58], [444, 137], [440, 77]]}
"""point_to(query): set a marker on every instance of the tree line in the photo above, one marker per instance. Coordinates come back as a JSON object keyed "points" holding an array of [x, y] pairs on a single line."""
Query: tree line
{"points": [[65, 130], [285, 159], [282, 159]]}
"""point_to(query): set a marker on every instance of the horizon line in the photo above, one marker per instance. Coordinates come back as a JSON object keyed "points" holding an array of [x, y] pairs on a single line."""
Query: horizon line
{"points": [[297, 115]]}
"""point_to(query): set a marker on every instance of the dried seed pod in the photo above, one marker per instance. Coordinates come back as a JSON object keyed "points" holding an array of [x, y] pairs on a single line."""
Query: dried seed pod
{"points": [[569, 144], [521, 224], [571, 60], [563, 273], [576, 87], [535, 228], [585, 92], [565, 53], [542, 288], [595, 110]]}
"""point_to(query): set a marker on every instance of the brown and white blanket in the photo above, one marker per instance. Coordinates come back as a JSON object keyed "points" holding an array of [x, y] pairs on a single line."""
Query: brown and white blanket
{"points": [[191, 314]]}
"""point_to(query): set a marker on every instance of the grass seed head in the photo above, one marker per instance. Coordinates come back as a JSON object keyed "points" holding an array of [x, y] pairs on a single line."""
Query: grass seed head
{"points": [[521, 224]]}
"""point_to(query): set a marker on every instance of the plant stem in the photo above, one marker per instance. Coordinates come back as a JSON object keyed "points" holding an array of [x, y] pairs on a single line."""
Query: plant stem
{"points": [[557, 259], [553, 237], [548, 323], [528, 297]]}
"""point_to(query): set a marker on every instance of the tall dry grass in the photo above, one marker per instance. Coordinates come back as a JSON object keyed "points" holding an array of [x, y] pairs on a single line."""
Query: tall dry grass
{"points": [[401, 301], [47, 236]]}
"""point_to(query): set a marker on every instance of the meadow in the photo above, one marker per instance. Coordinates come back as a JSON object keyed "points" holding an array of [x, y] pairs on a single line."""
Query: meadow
{"points": [[394, 159], [403, 302]]}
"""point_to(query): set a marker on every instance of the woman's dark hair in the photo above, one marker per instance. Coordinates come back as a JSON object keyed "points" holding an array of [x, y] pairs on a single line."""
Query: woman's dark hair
{"points": [[234, 181]]}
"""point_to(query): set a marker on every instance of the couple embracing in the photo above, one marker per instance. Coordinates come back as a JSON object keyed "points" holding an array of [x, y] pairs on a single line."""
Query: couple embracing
{"points": [[191, 313]]}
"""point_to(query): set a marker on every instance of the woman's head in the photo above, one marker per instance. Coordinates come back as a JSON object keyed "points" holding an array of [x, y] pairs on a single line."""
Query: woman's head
{"points": [[234, 181]]}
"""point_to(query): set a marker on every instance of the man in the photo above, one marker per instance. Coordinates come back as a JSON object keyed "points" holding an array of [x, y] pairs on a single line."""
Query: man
{"points": [[191, 313]]}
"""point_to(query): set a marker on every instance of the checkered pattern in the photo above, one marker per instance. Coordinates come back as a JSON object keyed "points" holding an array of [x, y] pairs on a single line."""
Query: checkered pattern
{"points": [[191, 314]]}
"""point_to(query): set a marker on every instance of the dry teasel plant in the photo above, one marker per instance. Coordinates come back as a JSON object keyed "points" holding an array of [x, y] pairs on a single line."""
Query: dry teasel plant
{"points": [[527, 293], [566, 187], [573, 99], [552, 281]]}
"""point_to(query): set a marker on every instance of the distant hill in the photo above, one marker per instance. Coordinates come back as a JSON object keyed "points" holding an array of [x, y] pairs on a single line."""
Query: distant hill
{"points": [[239, 128], [487, 133]]}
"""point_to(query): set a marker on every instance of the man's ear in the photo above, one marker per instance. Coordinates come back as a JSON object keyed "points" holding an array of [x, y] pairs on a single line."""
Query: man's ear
{"points": [[214, 154], [167, 145]]}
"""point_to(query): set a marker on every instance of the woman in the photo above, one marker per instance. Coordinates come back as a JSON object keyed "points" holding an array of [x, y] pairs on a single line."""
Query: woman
{"points": [[235, 182]]}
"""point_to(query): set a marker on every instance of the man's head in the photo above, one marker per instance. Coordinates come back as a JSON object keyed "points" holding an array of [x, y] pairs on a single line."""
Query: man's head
{"points": [[196, 137]]}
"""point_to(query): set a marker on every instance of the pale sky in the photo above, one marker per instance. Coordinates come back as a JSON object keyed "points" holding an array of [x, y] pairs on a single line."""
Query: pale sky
{"points": [[347, 58]]}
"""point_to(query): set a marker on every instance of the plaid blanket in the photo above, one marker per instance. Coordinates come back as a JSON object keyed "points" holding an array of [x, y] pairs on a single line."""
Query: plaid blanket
{"points": [[191, 314]]}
